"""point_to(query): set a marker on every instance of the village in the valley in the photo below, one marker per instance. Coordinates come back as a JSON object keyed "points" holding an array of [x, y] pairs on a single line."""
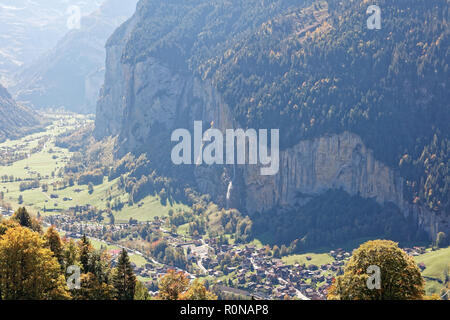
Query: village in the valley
{"points": [[253, 274]]}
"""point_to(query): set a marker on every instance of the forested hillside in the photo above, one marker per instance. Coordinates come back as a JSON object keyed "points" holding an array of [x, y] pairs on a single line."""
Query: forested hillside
{"points": [[15, 120]]}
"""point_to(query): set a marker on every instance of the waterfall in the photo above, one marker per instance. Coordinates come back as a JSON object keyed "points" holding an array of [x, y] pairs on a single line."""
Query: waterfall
{"points": [[230, 188]]}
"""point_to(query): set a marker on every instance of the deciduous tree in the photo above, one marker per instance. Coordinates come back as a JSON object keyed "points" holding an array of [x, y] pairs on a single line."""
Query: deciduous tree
{"points": [[173, 285], [28, 270], [400, 276]]}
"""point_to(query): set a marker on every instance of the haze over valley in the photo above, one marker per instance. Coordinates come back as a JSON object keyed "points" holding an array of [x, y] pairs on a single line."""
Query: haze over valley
{"points": [[91, 118]]}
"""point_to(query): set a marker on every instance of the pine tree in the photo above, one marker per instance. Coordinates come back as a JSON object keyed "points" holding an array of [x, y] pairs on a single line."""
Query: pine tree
{"points": [[23, 217], [124, 280], [85, 251]]}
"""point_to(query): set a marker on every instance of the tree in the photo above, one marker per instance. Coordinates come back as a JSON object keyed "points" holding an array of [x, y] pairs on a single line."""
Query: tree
{"points": [[124, 279], [70, 252], [400, 276], [90, 188], [85, 249], [92, 289], [276, 252], [8, 224], [198, 291], [163, 196], [23, 217], [28, 270], [141, 292], [173, 285], [53, 242], [20, 199], [441, 240]]}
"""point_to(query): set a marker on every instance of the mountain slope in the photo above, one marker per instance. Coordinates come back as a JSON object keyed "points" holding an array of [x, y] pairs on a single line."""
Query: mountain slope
{"points": [[72, 73], [362, 110], [29, 28], [15, 120]]}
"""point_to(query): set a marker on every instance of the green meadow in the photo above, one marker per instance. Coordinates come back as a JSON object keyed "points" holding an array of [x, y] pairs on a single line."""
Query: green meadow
{"points": [[436, 264], [47, 163]]}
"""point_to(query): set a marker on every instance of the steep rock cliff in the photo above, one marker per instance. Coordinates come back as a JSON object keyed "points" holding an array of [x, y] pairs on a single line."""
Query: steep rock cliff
{"points": [[340, 161]]}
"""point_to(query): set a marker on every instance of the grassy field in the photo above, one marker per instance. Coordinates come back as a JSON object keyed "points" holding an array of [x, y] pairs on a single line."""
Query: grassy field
{"points": [[436, 263], [49, 161], [138, 260], [102, 245], [316, 259]]}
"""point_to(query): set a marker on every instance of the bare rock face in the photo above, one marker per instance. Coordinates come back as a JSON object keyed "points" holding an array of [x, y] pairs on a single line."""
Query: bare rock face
{"points": [[333, 162], [314, 166]]}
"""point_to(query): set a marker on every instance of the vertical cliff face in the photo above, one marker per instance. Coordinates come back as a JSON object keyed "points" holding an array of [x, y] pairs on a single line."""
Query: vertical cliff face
{"points": [[145, 99], [314, 166], [334, 162]]}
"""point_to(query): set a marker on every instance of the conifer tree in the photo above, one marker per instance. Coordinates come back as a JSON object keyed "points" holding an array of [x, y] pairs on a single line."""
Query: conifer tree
{"points": [[23, 217], [124, 280], [85, 251]]}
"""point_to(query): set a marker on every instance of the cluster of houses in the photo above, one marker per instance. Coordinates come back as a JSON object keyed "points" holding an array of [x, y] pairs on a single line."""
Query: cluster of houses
{"points": [[262, 275], [257, 274]]}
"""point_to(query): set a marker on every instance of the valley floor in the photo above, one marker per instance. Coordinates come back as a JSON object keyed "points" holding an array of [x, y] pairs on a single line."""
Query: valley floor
{"points": [[32, 175]]}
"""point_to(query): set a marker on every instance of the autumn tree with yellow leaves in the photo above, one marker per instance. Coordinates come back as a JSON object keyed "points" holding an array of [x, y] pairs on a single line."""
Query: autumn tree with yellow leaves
{"points": [[400, 276], [29, 270], [175, 286], [33, 264]]}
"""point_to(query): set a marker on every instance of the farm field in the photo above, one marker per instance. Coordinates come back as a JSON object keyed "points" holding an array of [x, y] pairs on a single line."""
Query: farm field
{"points": [[46, 165], [437, 263]]}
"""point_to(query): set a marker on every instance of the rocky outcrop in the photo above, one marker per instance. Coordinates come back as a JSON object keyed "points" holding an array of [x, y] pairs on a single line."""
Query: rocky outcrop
{"points": [[340, 161]]}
